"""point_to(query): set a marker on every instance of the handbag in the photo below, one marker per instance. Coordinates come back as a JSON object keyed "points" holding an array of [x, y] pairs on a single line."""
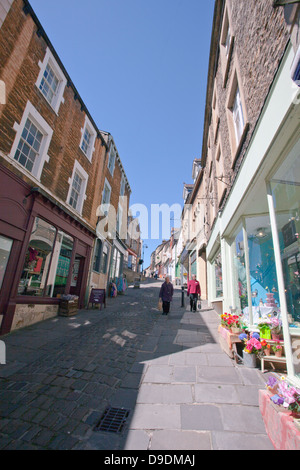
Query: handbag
{"points": [[160, 305]]}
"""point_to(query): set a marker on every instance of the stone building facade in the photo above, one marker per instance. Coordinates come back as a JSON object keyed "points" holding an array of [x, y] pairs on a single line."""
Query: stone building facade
{"points": [[249, 178]]}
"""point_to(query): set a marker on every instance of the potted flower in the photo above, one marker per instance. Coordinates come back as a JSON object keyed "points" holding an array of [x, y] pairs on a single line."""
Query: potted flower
{"points": [[277, 349], [276, 328], [236, 324], [251, 350], [266, 347], [264, 328]]}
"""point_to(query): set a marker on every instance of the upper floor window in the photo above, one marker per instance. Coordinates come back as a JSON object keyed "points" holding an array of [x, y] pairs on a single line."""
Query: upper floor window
{"points": [[88, 139], [238, 116], [226, 43], [29, 145], [112, 159], [77, 189], [51, 81], [32, 141], [122, 189]]}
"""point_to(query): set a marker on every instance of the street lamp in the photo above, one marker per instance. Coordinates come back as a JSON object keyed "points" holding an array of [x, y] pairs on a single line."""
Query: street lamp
{"points": [[144, 246]]}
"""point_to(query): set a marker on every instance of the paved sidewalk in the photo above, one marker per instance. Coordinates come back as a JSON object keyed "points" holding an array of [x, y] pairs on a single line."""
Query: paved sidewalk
{"points": [[182, 391]]}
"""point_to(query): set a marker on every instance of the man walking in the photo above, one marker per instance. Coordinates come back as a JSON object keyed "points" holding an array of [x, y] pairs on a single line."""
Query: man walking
{"points": [[193, 292], [166, 294]]}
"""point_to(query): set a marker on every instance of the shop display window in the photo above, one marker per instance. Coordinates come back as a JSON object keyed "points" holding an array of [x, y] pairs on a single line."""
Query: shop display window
{"points": [[37, 260], [47, 261], [61, 263], [240, 279], [5, 249], [217, 276], [263, 276], [285, 187]]}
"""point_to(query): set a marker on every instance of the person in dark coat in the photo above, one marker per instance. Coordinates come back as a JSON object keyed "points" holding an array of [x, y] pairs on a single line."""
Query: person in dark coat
{"points": [[166, 295]]}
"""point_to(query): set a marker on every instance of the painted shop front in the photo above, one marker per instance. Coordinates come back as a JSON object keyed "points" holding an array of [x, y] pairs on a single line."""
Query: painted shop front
{"points": [[254, 251], [44, 253]]}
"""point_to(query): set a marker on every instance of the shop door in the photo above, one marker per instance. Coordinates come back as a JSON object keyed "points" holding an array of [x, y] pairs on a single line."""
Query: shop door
{"points": [[77, 275]]}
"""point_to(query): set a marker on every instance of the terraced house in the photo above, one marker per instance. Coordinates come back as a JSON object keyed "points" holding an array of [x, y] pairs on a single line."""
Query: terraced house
{"points": [[56, 168]]}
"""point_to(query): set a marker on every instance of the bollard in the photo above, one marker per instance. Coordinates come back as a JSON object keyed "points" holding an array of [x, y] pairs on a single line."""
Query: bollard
{"points": [[182, 296]]}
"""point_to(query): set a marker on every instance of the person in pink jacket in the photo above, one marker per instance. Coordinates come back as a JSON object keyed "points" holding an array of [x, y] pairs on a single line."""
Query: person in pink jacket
{"points": [[193, 292]]}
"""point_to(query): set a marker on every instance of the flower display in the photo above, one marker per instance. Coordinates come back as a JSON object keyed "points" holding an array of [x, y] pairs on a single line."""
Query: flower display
{"points": [[286, 395], [252, 343], [230, 321]]}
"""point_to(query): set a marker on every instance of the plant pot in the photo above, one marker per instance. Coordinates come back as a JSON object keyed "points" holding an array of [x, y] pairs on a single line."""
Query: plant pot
{"points": [[267, 352], [278, 353], [235, 331], [249, 360], [276, 337]]}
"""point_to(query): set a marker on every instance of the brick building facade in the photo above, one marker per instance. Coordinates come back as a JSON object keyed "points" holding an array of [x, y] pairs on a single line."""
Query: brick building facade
{"points": [[53, 170]]}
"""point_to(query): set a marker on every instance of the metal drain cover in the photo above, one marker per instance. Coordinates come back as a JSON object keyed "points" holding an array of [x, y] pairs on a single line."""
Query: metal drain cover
{"points": [[113, 420]]}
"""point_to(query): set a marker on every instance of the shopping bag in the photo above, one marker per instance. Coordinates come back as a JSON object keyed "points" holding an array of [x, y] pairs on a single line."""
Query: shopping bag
{"points": [[160, 305]]}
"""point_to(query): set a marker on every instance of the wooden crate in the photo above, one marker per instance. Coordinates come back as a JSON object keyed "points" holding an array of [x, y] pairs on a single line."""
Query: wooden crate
{"points": [[68, 308]]}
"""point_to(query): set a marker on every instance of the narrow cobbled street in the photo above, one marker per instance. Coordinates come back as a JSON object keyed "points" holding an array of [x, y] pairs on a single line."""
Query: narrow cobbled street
{"points": [[167, 374]]}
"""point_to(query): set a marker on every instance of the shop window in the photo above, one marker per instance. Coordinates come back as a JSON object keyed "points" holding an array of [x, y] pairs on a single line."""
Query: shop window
{"points": [[217, 276], [32, 142], [97, 256], [285, 187], [38, 259], [61, 265], [51, 81], [5, 249], [239, 275], [104, 260], [47, 261]]}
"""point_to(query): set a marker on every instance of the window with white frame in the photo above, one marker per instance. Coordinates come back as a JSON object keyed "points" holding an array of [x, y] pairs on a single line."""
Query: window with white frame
{"points": [[111, 160], [122, 189], [77, 189], [32, 141], [238, 116], [119, 219], [51, 81], [106, 193], [88, 139], [226, 44]]}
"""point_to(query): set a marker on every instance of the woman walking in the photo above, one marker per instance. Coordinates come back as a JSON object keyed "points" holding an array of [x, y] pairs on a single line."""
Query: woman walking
{"points": [[166, 295], [193, 292]]}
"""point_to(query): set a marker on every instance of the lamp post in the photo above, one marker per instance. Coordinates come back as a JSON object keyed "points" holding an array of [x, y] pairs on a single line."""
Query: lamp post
{"points": [[144, 246]]}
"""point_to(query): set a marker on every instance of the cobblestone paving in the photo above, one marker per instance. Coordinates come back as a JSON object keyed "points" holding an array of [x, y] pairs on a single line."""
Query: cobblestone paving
{"points": [[61, 374]]}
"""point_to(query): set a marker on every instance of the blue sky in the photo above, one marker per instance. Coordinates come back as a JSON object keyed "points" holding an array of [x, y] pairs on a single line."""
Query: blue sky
{"points": [[141, 68]]}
